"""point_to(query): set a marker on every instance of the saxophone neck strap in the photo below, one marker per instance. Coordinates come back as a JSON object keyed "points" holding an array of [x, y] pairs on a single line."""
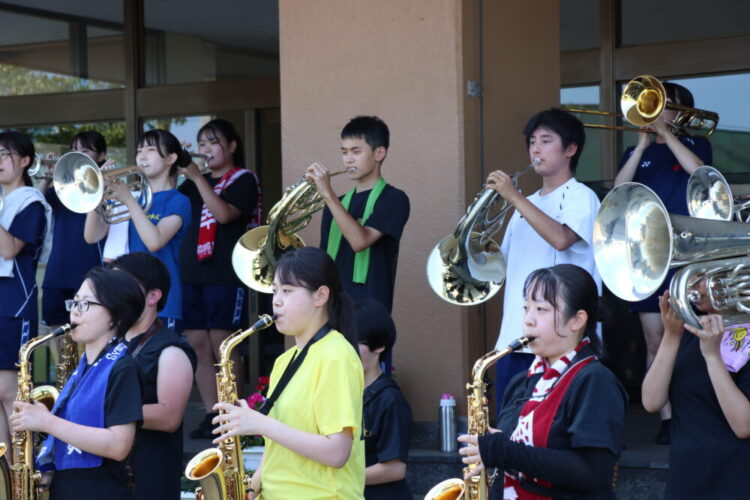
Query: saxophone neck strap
{"points": [[291, 369]]}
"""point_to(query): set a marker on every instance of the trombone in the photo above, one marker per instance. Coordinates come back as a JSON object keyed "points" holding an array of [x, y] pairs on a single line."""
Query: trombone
{"points": [[643, 101], [82, 187]]}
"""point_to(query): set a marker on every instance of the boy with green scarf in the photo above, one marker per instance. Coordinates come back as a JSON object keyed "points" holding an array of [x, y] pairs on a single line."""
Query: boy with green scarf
{"points": [[361, 230]]}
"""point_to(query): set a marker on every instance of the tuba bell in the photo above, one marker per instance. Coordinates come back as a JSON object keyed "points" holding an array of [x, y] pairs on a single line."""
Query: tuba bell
{"points": [[82, 187], [256, 253], [467, 267], [636, 241], [710, 196]]}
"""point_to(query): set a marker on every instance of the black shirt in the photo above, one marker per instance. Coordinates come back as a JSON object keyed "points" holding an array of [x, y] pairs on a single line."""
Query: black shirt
{"points": [[389, 217], [387, 426], [112, 480], [157, 455], [706, 459], [217, 269]]}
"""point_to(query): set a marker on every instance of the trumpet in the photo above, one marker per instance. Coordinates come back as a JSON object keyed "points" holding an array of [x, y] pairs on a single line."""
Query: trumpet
{"points": [[467, 267], [201, 161], [257, 251], [41, 168], [82, 187]]}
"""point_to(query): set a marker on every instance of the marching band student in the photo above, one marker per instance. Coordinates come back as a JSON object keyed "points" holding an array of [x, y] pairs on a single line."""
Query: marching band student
{"points": [[71, 257], [92, 426], [160, 231], [665, 166], [166, 363], [561, 422], [705, 376], [225, 202], [387, 415], [312, 419], [25, 239]]}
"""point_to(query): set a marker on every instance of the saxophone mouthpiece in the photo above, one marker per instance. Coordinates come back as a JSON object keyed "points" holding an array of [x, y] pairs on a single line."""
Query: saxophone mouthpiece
{"points": [[64, 329]]}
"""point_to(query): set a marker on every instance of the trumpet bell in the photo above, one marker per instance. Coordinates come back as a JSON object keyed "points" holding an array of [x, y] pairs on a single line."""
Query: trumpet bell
{"points": [[254, 261], [78, 182], [450, 489]]}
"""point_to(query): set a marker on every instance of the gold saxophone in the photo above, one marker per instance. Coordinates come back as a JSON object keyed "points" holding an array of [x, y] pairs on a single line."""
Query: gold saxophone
{"points": [[24, 478], [220, 470], [475, 488]]}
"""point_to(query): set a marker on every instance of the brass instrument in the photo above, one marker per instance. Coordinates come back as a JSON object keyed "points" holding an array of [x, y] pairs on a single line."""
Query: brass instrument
{"points": [[41, 168], [467, 267], [24, 478], [710, 196], [256, 253], [82, 187], [476, 487], [642, 103], [220, 470], [5, 483], [201, 161], [636, 241]]}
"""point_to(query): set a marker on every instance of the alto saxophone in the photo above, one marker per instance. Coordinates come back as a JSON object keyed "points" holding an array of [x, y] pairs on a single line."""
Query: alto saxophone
{"points": [[220, 470], [24, 478], [476, 487]]}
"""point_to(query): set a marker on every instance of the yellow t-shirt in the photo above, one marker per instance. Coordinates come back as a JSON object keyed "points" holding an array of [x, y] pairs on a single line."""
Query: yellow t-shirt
{"points": [[323, 397]]}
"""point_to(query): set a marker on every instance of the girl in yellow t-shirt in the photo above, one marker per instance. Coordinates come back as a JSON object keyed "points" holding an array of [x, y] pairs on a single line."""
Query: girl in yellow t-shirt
{"points": [[314, 446]]}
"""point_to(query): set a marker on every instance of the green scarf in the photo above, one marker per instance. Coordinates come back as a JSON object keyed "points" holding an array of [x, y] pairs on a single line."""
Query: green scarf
{"points": [[361, 259]]}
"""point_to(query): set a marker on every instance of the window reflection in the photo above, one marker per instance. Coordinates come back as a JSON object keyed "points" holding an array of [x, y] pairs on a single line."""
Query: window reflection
{"points": [[589, 164]]}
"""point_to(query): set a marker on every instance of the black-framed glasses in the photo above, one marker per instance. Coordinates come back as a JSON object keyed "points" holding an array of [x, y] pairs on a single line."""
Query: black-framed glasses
{"points": [[5, 154], [80, 305]]}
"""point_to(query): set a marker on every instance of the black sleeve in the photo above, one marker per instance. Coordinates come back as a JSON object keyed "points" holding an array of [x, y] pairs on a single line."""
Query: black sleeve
{"points": [[242, 194], [392, 428], [577, 469], [390, 213], [123, 402], [325, 227]]}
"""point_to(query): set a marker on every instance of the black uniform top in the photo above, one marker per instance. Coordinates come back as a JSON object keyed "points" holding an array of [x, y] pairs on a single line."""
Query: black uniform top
{"points": [[157, 455], [217, 269], [387, 427], [706, 459], [389, 217], [112, 480], [584, 441]]}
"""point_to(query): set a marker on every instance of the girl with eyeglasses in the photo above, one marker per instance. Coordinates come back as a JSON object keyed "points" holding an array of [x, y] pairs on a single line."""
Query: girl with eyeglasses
{"points": [[562, 421], [25, 224], [92, 425]]}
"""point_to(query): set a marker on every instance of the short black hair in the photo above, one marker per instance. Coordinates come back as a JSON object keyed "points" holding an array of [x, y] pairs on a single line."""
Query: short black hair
{"points": [[679, 94], [120, 294], [90, 139], [375, 326], [370, 129], [149, 271], [564, 124]]}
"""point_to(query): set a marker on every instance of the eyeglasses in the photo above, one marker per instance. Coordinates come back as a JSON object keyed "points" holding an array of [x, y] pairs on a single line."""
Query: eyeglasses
{"points": [[80, 305], [5, 154]]}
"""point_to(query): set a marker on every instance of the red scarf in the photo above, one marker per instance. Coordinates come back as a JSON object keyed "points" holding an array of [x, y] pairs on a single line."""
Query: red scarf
{"points": [[207, 228], [535, 420]]}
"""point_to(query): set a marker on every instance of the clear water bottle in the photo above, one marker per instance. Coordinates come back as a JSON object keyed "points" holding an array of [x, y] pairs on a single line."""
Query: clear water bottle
{"points": [[448, 442]]}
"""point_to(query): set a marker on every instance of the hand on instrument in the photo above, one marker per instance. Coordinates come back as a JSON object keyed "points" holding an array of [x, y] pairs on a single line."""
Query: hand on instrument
{"points": [[107, 164], [673, 325], [120, 191], [319, 174], [643, 140], [191, 171], [29, 417], [236, 420], [502, 183], [710, 334], [470, 454], [661, 128]]}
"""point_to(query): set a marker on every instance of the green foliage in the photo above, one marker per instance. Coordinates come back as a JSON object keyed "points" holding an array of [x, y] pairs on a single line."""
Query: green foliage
{"points": [[17, 80]]}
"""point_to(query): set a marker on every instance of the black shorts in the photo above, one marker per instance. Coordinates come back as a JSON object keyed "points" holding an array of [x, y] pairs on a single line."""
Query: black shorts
{"points": [[53, 305], [221, 307], [14, 332]]}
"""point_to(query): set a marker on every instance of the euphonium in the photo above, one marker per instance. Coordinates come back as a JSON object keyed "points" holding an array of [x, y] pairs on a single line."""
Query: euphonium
{"points": [[24, 478], [710, 196], [256, 253], [467, 267], [220, 470], [476, 487]]}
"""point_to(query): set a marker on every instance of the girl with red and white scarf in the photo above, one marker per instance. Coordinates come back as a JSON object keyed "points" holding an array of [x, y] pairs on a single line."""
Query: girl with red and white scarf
{"points": [[560, 431]]}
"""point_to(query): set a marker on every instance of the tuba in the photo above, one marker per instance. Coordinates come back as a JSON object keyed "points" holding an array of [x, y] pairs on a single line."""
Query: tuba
{"points": [[636, 241], [220, 470], [82, 187], [710, 196], [467, 267], [24, 478], [475, 488], [256, 253]]}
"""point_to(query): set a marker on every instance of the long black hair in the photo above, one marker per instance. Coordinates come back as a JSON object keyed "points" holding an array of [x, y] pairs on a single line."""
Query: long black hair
{"points": [[166, 143], [218, 127], [311, 268], [14, 140], [120, 294], [569, 288]]}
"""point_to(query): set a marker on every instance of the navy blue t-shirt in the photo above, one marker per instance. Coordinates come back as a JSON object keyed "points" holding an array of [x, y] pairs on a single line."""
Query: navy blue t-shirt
{"points": [[71, 257], [660, 170], [18, 295], [389, 216], [706, 459]]}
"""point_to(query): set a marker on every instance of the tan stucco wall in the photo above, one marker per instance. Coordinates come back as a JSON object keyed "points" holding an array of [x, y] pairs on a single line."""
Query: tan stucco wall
{"points": [[407, 62]]}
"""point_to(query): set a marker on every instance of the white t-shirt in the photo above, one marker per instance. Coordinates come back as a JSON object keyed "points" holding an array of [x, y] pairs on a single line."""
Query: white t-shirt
{"points": [[573, 204]]}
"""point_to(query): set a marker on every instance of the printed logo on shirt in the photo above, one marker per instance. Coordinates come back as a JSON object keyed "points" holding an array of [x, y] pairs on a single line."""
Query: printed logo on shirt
{"points": [[156, 217], [72, 449], [646, 164]]}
